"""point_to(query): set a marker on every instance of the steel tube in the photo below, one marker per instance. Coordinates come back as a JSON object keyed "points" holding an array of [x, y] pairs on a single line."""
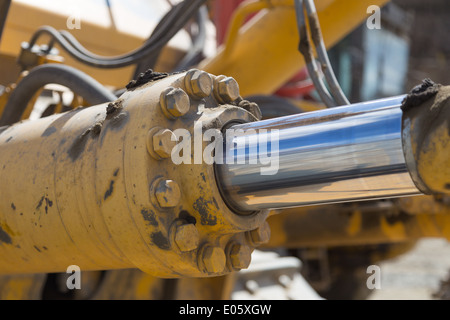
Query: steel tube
{"points": [[335, 155]]}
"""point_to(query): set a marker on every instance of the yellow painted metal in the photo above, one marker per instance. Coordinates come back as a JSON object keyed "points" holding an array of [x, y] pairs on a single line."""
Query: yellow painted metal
{"points": [[433, 205], [5, 96], [240, 14], [215, 288], [402, 220], [134, 285], [427, 142], [126, 284], [9, 89], [96, 198], [10, 69], [22, 287], [87, 198], [249, 7], [308, 106], [265, 54]]}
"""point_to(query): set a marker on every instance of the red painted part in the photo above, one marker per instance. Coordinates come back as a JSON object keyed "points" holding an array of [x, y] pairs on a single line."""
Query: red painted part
{"points": [[300, 85], [295, 90], [301, 75], [223, 11]]}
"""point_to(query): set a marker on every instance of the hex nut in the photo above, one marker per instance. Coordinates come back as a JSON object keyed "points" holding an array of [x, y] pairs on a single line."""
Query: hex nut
{"points": [[214, 259], [162, 142], [240, 256], [226, 89], [187, 237], [174, 102], [252, 108], [198, 84], [260, 235], [168, 193]]}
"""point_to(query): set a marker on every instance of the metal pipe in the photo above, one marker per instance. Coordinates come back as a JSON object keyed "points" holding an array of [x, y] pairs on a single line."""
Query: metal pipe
{"points": [[335, 155], [306, 50], [316, 35]]}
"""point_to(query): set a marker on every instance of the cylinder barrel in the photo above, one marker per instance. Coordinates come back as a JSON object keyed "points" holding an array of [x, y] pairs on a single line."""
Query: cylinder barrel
{"points": [[97, 188]]}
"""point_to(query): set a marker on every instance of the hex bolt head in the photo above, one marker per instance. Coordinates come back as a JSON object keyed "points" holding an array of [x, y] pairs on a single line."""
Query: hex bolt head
{"points": [[168, 193], [187, 237], [240, 256], [174, 102], [198, 84], [161, 142], [252, 108], [260, 235], [226, 89], [213, 259]]}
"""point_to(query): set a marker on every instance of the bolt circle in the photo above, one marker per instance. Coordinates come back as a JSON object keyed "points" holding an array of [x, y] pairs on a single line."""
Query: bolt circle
{"points": [[198, 84], [174, 102]]}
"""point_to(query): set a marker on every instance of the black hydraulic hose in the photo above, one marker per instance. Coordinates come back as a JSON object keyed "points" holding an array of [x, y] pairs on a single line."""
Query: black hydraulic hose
{"points": [[110, 62], [337, 96], [77, 81], [316, 35], [150, 61], [198, 44], [4, 8], [305, 49], [160, 37], [163, 24]]}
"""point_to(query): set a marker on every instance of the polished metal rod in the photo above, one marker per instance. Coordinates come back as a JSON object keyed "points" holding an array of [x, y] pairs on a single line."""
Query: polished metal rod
{"points": [[335, 155]]}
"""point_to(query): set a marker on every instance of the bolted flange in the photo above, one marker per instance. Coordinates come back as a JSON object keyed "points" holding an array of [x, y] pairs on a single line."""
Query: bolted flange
{"points": [[198, 83], [226, 89], [183, 219], [135, 200], [174, 102]]}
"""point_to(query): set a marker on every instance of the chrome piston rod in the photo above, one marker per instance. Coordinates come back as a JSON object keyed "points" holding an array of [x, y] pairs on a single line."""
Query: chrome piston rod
{"points": [[335, 155]]}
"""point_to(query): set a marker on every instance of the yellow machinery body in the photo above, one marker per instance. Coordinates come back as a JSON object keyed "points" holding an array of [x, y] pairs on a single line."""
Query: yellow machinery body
{"points": [[100, 197], [95, 187]]}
